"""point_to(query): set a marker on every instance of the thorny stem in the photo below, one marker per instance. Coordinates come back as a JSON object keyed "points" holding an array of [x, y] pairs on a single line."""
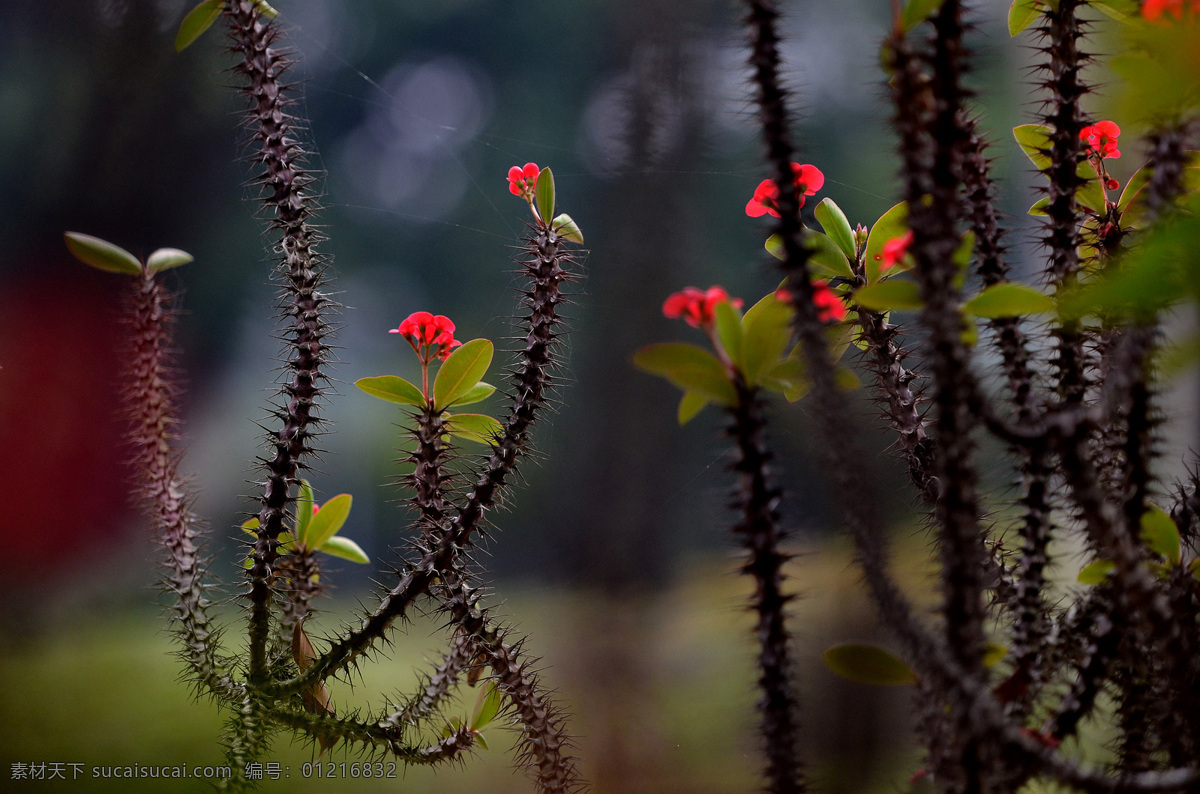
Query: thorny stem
{"points": [[164, 494], [545, 269], [284, 181], [756, 499]]}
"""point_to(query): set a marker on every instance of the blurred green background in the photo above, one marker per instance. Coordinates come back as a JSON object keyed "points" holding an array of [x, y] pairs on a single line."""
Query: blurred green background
{"points": [[612, 554]]}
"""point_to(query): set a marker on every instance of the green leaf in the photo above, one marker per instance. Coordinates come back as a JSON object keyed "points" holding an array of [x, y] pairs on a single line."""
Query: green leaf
{"points": [[1160, 534], [689, 367], [1021, 15], [1034, 140], [462, 370], [393, 389], [834, 222], [729, 330], [1039, 206], [1090, 194], [328, 520], [102, 254], [480, 428], [1139, 180], [1119, 10], [1150, 277], [787, 377], [166, 258], [892, 224], [337, 546], [962, 258], [970, 331], [487, 706], [825, 259], [690, 405], [251, 525], [868, 664], [1096, 571], [543, 194], [846, 379], [568, 229], [1178, 356], [766, 331], [1009, 299], [478, 393], [888, 295], [993, 654], [198, 20], [304, 511], [266, 10], [917, 11]]}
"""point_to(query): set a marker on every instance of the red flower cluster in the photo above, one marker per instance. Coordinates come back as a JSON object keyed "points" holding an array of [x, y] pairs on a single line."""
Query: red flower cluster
{"points": [[522, 179], [430, 336], [697, 307], [808, 180], [1102, 137], [829, 306], [895, 249], [1152, 10]]}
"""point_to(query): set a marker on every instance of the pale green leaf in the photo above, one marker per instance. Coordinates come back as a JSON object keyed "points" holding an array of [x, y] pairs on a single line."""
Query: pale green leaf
{"points": [[337, 546], [102, 254], [167, 258], [868, 664], [479, 428], [766, 331], [1021, 15], [462, 371], [892, 224], [729, 330], [834, 222], [888, 295], [690, 405], [393, 389], [1096, 571], [568, 229], [304, 511], [198, 20], [689, 367], [1009, 299], [330, 518], [1160, 534], [487, 706], [917, 11], [478, 393], [543, 194]]}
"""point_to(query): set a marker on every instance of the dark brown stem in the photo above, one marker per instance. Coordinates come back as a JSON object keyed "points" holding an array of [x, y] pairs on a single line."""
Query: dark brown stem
{"points": [[284, 181], [756, 499]]}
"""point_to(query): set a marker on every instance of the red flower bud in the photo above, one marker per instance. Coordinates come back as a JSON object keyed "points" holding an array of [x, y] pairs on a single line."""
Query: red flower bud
{"points": [[522, 179]]}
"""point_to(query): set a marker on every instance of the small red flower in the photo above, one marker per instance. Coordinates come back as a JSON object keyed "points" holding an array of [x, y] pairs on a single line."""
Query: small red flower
{"points": [[697, 307], [895, 250], [829, 305], [1102, 137], [808, 180], [522, 179], [1152, 10], [1112, 184], [428, 334]]}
